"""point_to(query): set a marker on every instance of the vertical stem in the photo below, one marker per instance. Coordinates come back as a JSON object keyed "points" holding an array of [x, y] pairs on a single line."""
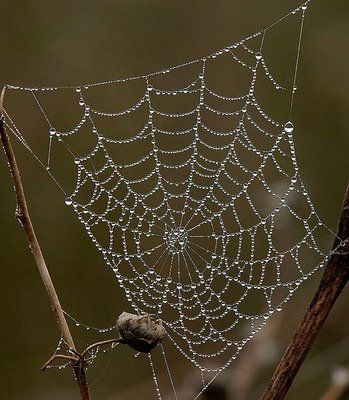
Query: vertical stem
{"points": [[81, 379], [22, 214], [335, 277]]}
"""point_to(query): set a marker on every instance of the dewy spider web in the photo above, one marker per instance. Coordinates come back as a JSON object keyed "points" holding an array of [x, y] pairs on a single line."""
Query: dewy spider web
{"points": [[190, 219]]}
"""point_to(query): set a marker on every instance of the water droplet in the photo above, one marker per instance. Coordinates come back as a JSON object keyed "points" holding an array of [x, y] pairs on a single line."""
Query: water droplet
{"points": [[288, 127], [68, 201], [53, 131], [304, 7], [258, 55]]}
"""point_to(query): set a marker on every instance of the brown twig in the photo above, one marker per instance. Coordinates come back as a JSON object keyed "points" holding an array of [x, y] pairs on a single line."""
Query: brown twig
{"points": [[335, 277], [22, 214], [80, 358], [58, 357], [97, 344]]}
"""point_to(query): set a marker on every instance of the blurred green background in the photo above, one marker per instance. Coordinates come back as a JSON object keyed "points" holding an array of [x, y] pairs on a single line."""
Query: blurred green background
{"points": [[49, 43]]}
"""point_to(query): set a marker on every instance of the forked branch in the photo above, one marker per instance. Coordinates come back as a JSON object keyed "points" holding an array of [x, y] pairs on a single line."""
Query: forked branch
{"points": [[82, 358], [22, 214], [334, 279]]}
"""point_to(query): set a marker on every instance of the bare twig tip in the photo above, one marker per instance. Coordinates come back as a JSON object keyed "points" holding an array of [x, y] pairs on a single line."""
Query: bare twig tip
{"points": [[2, 96]]}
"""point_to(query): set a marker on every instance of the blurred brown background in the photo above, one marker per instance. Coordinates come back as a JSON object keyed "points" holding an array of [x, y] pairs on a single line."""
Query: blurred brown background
{"points": [[48, 43]]}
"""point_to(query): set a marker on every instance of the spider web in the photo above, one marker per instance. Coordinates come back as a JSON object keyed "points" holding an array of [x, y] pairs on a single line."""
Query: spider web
{"points": [[190, 217]]}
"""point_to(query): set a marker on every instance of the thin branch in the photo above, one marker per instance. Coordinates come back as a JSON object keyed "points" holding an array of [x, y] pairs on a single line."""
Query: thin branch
{"points": [[58, 357], [335, 277], [80, 359], [22, 214], [97, 344]]}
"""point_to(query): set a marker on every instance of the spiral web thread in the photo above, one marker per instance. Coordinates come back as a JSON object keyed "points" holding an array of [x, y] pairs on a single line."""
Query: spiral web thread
{"points": [[173, 232]]}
